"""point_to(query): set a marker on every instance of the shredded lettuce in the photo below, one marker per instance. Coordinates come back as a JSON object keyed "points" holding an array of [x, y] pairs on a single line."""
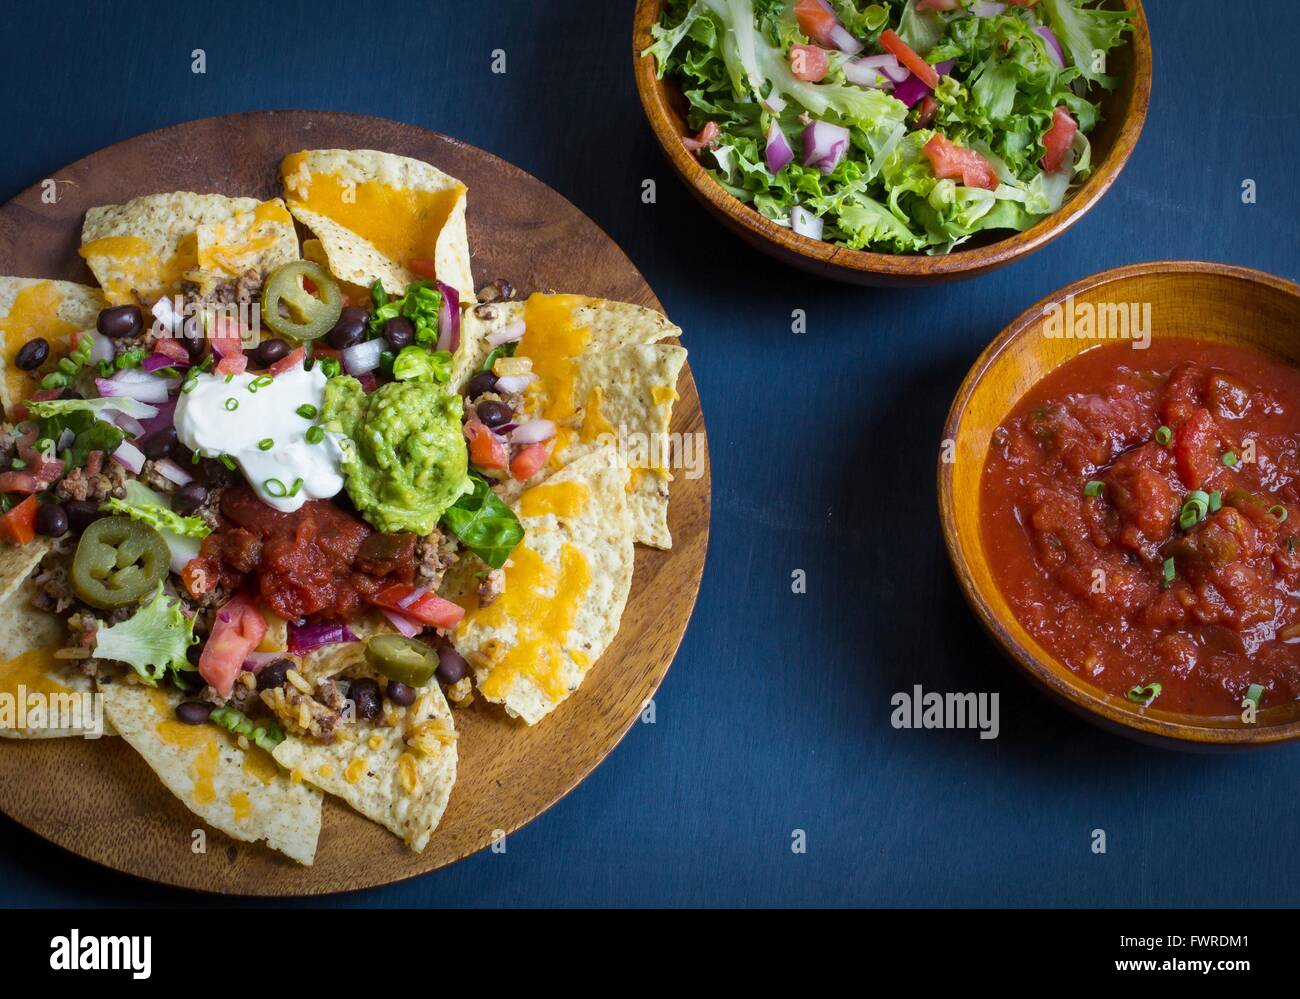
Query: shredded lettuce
{"points": [[151, 641], [416, 364], [143, 504], [421, 304], [115, 404]]}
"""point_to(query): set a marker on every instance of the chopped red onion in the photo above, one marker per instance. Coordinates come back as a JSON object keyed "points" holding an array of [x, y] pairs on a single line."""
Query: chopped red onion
{"points": [[987, 8], [911, 90], [164, 416], [132, 426], [856, 71], [824, 145], [101, 348], [844, 41], [511, 384], [412, 597], [173, 472], [510, 333], [774, 102], [65, 439], [532, 432], [1054, 48], [130, 456], [778, 152], [364, 356], [158, 360], [305, 637], [805, 223], [449, 319], [137, 385], [405, 625]]}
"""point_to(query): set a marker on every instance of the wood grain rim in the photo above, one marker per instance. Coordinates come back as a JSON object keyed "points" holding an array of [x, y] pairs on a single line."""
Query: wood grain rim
{"points": [[665, 583], [862, 266], [1182, 731]]}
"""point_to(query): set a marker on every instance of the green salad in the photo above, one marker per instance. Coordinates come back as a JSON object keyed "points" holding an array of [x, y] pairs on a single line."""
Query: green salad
{"points": [[901, 126]]}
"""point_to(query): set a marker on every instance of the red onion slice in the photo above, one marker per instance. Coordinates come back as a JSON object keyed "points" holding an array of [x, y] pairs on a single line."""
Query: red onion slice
{"points": [[805, 223], [412, 597], [532, 432], [132, 426], [167, 316], [511, 333], [129, 456], [844, 41], [1054, 48], [449, 319], [824, 145], [158, 360], [510, 384], [364, 356], [173, 472], [404, 625], [151, 390], [778, 153]]}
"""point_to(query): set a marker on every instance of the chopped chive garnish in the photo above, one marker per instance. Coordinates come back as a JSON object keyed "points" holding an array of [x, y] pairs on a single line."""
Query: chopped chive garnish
{"points": [[1144, 695], [1195, 507], [307, 411], [265, 444], [1254, 694], [55, 379], [315, 435], [274, 487], [1093, 488], [230, 378], [1169, 571], [229, 462], [18, 463], [68, 366], [329, 366], [194, 458], [261, 381], [1278, 511], [1230, 459], [297, 484], [189, 386], [231, 404], [1164, 435], [1216, 500]]}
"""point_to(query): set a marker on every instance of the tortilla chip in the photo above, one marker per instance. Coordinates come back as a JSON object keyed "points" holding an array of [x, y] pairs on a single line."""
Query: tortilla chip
{"points": [[331, 660], [151, 244], [31, 308], [398, 775], [373, 212], [565, 589], [259, 239], [241, 792]]}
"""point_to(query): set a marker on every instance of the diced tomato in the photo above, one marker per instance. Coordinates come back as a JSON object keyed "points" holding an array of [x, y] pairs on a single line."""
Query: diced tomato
{"points": [[237, 630], [319, 352], [94, 463], [486, 449], [925, 113], [815, 20], [707, 137], [173, 348], [950, 160], [937, 4], [529, 460], [808, 62], [1196, 449], [922, 70], [291, 359], [18, 526], [1057, 140], [424, 268], [427, 609], [224, 335], [19, 482]]}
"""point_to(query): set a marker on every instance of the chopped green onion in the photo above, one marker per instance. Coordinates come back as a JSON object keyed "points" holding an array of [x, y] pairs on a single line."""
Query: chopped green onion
{"points": [[1254, 694], [229, 462], [231, 404], [54, 380], [1169, 571], [230, 378], [1093, 488], [1144, 695], [1216, 500], [1278, 511], [315, 435], [189, 386], [1230, 459], [261, 381], [274, 487], [307, 411], [265, 444], [194, 458], [1194, 509], [68, 366], [329, 366], [1164, 435], [18, 463], [297, 484]]}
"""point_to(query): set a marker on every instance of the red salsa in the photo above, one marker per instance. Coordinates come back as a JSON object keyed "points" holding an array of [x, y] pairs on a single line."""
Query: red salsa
{"points": [[1140, 510]]}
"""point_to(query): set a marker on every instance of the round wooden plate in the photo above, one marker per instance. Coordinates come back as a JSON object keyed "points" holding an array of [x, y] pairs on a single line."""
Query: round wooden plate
{"points": [[98, 799]]}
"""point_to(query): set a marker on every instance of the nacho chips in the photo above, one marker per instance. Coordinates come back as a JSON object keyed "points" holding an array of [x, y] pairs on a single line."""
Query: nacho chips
{"points": [[31, 308]]}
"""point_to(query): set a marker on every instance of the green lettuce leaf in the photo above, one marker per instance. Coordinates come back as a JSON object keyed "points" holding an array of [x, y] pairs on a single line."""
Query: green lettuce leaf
{"points": [[151, 641], [143, 504], [1086, 32], [115, 404], [484, 524], [420, 304], [419, 364]]}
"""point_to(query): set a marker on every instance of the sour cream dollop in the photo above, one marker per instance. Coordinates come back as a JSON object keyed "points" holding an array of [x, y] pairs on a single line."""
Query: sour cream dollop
{"points": [[238, 417]]}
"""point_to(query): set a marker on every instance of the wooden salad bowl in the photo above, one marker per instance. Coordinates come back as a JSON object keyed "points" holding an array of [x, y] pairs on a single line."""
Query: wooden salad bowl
{"points": [[1214, 302], [1124, 111]]}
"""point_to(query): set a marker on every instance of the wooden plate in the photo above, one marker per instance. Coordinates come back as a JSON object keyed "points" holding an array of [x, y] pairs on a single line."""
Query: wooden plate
{"points": [[98, 799], [1124, 111]]}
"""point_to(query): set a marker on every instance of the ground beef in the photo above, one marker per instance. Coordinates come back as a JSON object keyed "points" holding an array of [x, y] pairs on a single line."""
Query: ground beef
{"points": [[300, 714], [79, 485], [434, 555], [8, 444], [155, 479], [53, 590], [491, 587], [499, 290]]}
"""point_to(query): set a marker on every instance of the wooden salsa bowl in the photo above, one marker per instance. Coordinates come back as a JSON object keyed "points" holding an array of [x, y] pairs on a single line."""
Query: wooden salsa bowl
{"points": [[1204, 301], [1124, 111]]}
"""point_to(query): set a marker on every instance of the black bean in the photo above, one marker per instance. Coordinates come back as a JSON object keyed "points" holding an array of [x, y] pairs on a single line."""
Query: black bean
{"points": [[159, 444], [120, 321], [193, 653], [452, 666], [399, 332], [365, 695], [400, 694], [273, 674], [192, 338], [68, 393], [270, 351], [350, 329], [189, 498], [193, 712], [32, 354], [51, 520], [484, 381], [493, 414], [81, 514]]}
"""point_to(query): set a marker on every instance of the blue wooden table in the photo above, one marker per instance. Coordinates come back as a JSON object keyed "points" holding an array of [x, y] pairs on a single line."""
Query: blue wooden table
{"points": [[775, 717]]}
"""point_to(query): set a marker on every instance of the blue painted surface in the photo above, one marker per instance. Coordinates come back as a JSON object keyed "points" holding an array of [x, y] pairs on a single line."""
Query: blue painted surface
{"points": [[775, 716]]}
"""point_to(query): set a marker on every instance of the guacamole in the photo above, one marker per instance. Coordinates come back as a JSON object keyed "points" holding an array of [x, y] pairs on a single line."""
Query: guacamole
{"points": [[404, 459]]}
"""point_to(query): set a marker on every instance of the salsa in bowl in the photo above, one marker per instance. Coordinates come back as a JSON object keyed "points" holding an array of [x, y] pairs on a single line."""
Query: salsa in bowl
{"points": [[1125, 515]]}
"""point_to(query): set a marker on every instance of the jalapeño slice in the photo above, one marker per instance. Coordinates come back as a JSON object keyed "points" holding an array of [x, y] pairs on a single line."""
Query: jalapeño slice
{"points": [[118, 562], [291, 310], [402, 659]]}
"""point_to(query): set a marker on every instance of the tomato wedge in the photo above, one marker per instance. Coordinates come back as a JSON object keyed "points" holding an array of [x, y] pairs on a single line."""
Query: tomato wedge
{"points": [[428, 608], [950, 160], [808, 62], [226, 344], [291, 359], [815, 20], [18, 526], [424, 268], [19, 482], [529, 460], [925, 113], [706, 137], [486, 449], [905, 54], [237, 630], [1058, 139]]}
